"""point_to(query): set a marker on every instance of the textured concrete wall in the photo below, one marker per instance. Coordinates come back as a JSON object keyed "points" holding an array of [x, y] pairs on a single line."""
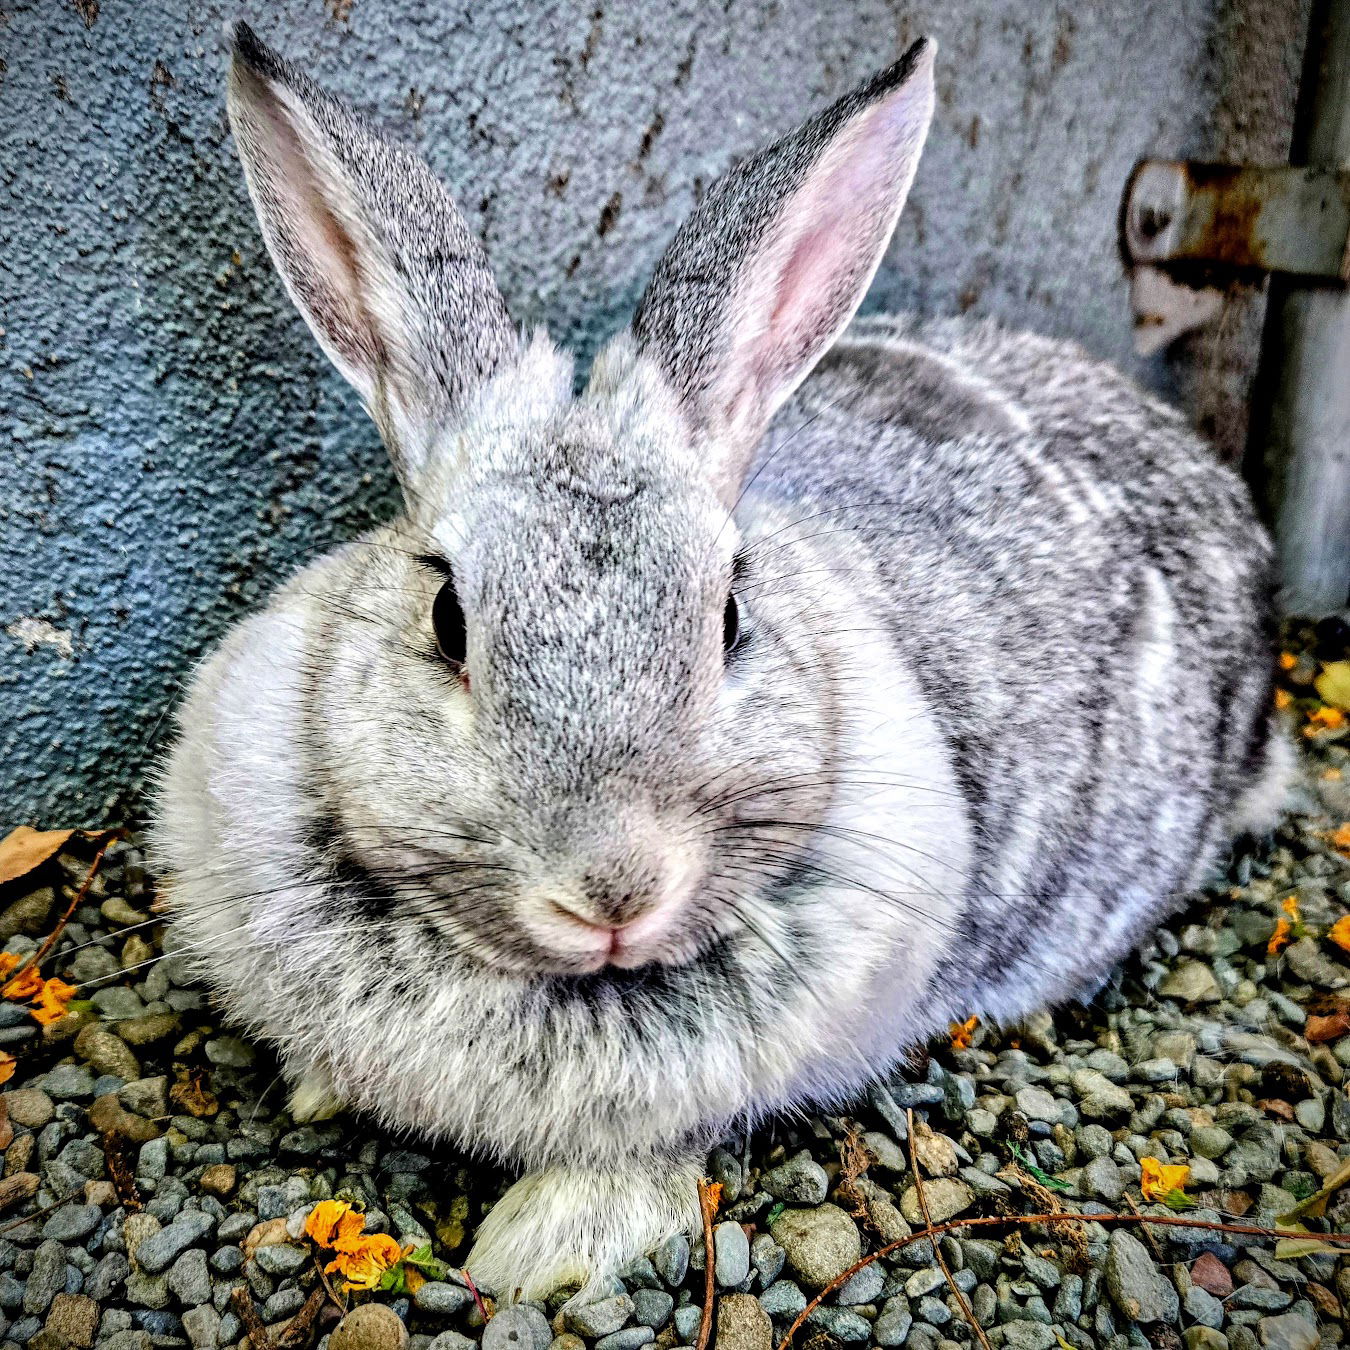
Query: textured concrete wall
{"points": [[173, 441]]}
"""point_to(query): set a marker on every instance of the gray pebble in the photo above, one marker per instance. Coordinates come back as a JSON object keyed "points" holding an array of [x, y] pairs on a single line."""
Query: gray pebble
{"points": [[1201, 1306], [68, 1082], [517, 1327], [1102, 1178], [452, 1340], [652, 1307], [230, 1052], [284, 1303], [628, 1339], [800, 1180], [841, 1324], [281, 1258], [731, 1250], [189, 1279], [1288, 1332], [768, 1258], [688, 1319], [436, 1296], [864, 1287], [600, 1318], [115, 1001], [202, 1326], [72, 1222], [146, 1097], [161, 1249], [46, 1279], [671, 1259], [892, 1327], [782, 1299], [1037, 1104], [1023, 1334], [127, 1340], [933, 1311], [1139, 1289], [820, 1243]]}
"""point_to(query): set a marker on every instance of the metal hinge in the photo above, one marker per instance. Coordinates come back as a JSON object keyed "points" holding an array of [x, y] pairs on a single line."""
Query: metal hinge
{"points": [[1287, 218]]}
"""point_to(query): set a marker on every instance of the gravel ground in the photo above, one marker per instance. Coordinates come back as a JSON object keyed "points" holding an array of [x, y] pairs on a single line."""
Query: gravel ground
{"points": [[151, 1170]]}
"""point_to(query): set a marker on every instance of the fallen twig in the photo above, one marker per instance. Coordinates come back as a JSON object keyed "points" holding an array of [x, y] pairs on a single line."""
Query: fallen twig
{"points": [[299, 1327], [966, 1310], [338, 1303], [38, 1213], [52, 938], [1009, 1220], [708, 1198], [248, 1315]]}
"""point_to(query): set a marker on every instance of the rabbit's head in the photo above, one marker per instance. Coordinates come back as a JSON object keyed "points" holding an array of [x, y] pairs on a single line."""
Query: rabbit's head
{"points": [[555, 715]]}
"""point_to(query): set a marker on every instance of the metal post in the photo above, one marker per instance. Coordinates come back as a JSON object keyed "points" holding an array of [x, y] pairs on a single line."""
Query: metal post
{"points": [[1307, 358]]}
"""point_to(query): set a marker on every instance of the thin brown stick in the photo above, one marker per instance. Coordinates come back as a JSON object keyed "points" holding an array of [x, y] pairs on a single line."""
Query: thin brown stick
{"points": [[966, 1310], [1148, 1237], [52, 938], [338, 1303], [300, 1326], [38, 1213], [708, 1197], [248, 1315], [1009, 1220]]}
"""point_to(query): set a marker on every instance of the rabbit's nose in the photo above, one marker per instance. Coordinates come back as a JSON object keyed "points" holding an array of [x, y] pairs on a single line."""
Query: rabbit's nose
{"points": [[616, 901]]}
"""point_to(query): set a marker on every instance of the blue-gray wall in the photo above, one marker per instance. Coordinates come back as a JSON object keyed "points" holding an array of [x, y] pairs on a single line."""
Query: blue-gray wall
{"points": [[172, 441]]}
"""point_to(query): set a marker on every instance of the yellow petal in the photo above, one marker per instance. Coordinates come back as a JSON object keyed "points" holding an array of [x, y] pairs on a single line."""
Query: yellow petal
{"points": [[1333, 685], [1158, 1179]]}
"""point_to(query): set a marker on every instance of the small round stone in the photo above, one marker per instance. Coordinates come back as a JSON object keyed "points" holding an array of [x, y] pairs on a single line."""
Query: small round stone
{"points": [[517, 1327], [372, 1326]]}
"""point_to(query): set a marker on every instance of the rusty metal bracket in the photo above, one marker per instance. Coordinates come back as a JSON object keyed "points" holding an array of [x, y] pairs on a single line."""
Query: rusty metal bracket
{"points": [[1286, 218]]}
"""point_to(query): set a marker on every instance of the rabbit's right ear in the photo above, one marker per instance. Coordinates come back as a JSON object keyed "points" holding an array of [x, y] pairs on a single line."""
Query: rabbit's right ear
{"points": [[775, 260], [372, 249]]}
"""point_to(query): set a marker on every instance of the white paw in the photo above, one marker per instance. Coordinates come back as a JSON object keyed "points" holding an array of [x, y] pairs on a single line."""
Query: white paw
{"points": [[573, 1226], [315, 1098]]}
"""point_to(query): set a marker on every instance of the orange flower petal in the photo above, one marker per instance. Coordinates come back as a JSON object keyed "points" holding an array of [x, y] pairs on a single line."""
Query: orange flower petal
{"points": [[26, 985], [53, 1000], [1283, 698], [1158, 1179], [1340, 838], [330, 1219], [7, 1066], [1339, 933], [1290, 906], [1279, 939], [961, 1033], [1288, 660]]}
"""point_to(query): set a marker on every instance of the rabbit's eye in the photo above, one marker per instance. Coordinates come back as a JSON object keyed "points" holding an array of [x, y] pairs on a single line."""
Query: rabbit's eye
{"points": [[731, 626], [447, 618]]}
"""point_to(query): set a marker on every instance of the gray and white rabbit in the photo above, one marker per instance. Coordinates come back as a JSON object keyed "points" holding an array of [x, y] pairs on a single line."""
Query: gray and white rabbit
{"points": [[693, 745]]}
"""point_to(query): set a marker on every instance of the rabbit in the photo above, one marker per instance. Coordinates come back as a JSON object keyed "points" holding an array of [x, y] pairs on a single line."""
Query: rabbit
{"points": [[695, 744]]}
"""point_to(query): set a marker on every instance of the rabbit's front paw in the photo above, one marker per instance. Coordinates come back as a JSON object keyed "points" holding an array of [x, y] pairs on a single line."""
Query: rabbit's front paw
{"points": [[576, 1226], [315, 1098]]}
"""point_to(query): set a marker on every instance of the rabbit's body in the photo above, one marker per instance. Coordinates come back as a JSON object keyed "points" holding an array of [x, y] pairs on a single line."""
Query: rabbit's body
{"points": [[652, 772], [1098, 592]]}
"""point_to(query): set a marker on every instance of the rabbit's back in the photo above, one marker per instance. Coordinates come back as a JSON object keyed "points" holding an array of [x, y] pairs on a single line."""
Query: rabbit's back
{"points": [[1082, 592]]}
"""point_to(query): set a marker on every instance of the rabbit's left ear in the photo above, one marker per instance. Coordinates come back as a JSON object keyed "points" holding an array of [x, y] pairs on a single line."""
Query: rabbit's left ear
{"points": [[775, 261], [372, 249]]}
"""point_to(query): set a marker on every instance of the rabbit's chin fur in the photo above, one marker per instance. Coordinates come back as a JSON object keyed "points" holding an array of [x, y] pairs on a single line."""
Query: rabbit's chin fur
{"points": [[609, 1117]]}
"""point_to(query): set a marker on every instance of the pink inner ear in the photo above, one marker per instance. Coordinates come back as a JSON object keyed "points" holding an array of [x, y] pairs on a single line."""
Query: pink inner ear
{"points": [[827, 246]]}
